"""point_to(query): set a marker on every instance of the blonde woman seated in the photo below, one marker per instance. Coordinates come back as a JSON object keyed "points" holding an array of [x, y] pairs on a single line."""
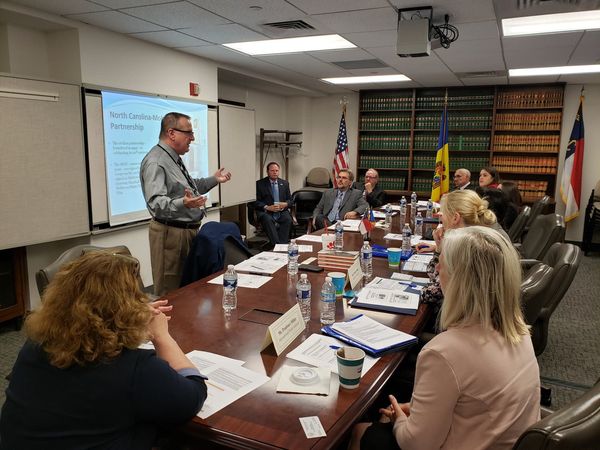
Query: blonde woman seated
{"points": [[477, 382], [80, 381]]}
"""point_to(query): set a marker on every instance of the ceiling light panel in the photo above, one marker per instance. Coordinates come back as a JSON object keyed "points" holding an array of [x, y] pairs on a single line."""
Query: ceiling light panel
{"points": [[564, 70], [551, 23], [292, 45], [367, 79]]}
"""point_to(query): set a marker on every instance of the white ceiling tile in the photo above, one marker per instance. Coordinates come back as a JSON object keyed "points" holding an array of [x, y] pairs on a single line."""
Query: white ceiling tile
{"points": [[584, 78], [347, 54], [532, 80], [176, 15], [330, 6], [478, 30], [241, 12], [117, 4], [365, 20], [371, 39], [587, 50], [373, 71], [460, 57], [116, 21], [170, 38], [305, 64], [484, 81], [61, 7], [223, 34], [539, 51], [460, 11]]}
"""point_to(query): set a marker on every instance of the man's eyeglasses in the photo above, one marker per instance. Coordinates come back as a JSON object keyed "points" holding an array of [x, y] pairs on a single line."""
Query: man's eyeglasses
{"points": [[188, 133]]}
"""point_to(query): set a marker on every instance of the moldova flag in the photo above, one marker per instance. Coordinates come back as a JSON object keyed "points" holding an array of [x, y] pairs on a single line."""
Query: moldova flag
{"points": [[441, 177], [570, 187]]}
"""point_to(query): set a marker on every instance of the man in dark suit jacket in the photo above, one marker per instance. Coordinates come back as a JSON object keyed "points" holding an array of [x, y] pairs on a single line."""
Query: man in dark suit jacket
{"points": [[462, 180], [375, 196], [340, 203], [273, 203]]}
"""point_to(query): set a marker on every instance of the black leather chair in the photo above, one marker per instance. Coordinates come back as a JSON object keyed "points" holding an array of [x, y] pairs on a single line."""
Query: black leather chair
{"points": [[305, 202], [564, 260], [45, 275], [516, 229], [234, 252], [545, 231], [534, 291], [574, 427], [591, 221], [538, 208]]}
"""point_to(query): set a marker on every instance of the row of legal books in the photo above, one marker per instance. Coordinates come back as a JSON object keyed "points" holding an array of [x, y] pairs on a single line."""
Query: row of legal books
{"points": [[525, 164], [424, 162], [527, 143], [336, 259], [459, 101], [531, 98], [476, 142], [385, 122], [385, 142], [384, 162], [392, 183], [473, 164], [455, 121], [532, 190], [383, 102], [529, 121], [422, 184]]}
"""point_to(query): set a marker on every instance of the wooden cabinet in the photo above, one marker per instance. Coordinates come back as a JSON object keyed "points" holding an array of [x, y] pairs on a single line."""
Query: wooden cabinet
{"points": [[399, 131], [13, 284]]}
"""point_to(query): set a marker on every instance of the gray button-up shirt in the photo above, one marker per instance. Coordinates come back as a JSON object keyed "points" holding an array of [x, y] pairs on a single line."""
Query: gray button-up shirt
{"points": [[164, 184]]}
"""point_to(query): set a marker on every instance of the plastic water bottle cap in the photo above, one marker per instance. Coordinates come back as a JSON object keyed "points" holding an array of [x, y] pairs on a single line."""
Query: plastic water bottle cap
{"points": [[328, 279], [304, 276], [230, 266]]}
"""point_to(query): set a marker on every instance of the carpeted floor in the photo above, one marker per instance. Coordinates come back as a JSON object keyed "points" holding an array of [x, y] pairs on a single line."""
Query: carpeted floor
{"points": [[569, 365]]}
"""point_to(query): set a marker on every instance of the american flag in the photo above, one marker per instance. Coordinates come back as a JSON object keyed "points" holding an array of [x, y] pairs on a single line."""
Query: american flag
{"points": [[341, 152]]}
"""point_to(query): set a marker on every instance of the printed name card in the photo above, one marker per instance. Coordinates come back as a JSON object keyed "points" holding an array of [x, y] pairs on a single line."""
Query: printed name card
{"points": [[284, 330], [355, 274]]}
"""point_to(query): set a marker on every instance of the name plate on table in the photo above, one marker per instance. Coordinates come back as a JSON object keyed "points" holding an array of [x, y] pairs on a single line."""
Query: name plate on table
{"points": [[355, 274], [284, 330]]}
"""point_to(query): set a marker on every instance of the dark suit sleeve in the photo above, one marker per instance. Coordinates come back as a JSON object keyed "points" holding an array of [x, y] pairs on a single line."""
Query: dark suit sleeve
{"points": [[361, 204], [376, 198], [262, 196], [161, 395]]}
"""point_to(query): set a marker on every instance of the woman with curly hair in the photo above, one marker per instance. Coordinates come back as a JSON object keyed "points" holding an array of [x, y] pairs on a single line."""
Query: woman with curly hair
{"points": [[477, 382], [80, 380]]}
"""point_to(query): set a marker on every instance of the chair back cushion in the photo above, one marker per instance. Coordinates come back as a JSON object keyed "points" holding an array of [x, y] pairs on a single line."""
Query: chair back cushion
{"points": [[538, 208], [516, 229], [305, 202], [576, 426], [544, 231], [318, 177], [234, 251], [534, 291]]}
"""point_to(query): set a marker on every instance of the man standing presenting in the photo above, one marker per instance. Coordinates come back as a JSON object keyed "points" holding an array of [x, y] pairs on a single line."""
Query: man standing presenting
{"points": [[462, 180], [174, 200], [374, 195], [340, 203], [273, 201]]}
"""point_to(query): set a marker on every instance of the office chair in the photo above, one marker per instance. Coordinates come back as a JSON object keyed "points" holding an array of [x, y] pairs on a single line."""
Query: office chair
{"points": [[537, 208], [516, 229], [591, 220], [318, 179], [260, 239], [576, 426], [45, 275], [234, 251], [564, 259], [534, 291], [304, 203], [544, 231]]}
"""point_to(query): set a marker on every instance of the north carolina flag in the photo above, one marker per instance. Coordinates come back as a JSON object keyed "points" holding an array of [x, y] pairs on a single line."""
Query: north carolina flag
{"points": [[570, 187], [441, 177], [342, 155], [366, 224]]}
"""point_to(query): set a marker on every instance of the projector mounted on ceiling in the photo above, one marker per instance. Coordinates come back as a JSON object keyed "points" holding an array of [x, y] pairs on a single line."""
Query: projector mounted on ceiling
{"points": [[416, 30]]}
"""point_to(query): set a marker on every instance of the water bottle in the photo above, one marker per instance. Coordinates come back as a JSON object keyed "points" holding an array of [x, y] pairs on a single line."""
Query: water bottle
{"points": [[388, 216], [292, 257], [406, 240], [327, 302], [429, 214], [339, 235], [402, 209], [419, 225], [303, 296], [366, 260], [230, 289], [413, 209]]}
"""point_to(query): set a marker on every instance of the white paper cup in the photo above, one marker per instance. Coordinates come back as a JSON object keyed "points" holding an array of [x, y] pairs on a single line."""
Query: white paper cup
{"points": [[328, 241], [350, 363]]}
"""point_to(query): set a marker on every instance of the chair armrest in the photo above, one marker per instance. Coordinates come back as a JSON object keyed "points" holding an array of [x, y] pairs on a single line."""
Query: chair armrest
{"points": [[527, 264], [293, 213]]}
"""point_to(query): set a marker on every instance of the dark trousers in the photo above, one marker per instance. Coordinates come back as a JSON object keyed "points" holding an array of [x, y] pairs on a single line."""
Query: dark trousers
{"points": [[320, 221], [278, 230]]}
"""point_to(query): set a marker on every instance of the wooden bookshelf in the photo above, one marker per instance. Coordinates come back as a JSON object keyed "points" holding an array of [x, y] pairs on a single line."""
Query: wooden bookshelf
{"points": [[515, 128]]}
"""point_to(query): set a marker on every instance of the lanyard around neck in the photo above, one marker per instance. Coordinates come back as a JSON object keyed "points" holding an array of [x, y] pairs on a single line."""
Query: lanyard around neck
{"points": [[181, 166]]}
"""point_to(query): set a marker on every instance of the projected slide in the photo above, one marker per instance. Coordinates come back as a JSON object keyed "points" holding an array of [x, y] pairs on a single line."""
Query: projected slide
{"points": [[131, 127]]}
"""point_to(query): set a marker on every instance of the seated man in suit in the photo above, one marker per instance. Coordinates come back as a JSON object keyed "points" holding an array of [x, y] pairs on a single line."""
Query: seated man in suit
{"points": [[340, 203], [375, 196], [462, 180], [273, 203]]}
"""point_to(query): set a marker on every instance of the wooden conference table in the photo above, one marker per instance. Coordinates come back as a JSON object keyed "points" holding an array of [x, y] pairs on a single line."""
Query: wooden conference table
{"points": [[265, 419]]}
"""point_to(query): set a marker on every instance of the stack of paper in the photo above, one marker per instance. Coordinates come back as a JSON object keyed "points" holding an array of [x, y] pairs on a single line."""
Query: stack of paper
{"points": [[384, 294], [373, 337], [264, 263], [336, 259], [417, 263], [349, 225]]}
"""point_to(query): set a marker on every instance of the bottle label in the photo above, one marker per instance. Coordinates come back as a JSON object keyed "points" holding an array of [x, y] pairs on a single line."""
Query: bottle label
{"points": [[293, 253], [232, 284], [367, 256], [328, 297], [302, 294]]}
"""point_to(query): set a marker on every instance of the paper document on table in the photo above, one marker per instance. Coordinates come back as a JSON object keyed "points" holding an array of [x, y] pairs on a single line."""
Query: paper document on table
{"points": [[406, 277], [381, 214], [349, 225], [310, 237], [372, 334], [245, 280], [402, 301], [395, 284], [417, 263], [264, 263], [414, 240], [227, 381], [301, 248], [318, 350]]}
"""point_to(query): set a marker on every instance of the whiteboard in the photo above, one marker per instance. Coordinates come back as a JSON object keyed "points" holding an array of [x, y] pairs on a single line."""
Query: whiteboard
{"points": [[237, 154]]}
